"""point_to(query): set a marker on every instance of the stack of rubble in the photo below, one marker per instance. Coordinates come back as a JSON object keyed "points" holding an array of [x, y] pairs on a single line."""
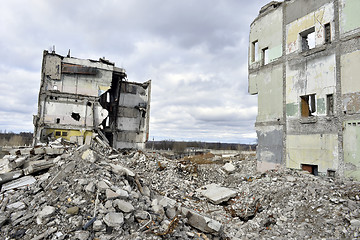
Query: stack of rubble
{"points": [[88, 193]]}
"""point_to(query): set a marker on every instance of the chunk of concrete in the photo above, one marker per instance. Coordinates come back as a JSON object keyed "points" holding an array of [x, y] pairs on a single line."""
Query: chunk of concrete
{"points": [[123, 206], [114, 219], [111, 194], [89, 155], [216, 194], [203, 223], [122, 170], [229, 168]]}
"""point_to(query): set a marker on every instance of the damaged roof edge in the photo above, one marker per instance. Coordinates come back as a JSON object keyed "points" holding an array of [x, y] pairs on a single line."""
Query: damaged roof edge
{"points": [[267, 8], [74, 60]]}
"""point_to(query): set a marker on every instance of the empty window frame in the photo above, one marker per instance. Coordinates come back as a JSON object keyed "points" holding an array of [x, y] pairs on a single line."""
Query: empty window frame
{"points": [[327, 33], [308, 105], [265, 56], [307, 39], [330, 104], [254, 51], [57, 133], [64, 134]]}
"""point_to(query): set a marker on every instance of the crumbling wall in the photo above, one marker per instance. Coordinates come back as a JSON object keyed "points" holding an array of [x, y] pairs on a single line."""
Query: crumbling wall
{"points": [[80, 96], [320, 89]]}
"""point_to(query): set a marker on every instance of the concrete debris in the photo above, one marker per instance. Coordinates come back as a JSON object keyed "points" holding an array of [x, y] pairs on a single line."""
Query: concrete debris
{"points": [[80, 199], [216, 194], [229, 168]]}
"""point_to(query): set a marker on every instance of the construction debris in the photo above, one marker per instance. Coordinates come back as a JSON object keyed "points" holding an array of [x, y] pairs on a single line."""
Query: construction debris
{"points": [[89, 193]]}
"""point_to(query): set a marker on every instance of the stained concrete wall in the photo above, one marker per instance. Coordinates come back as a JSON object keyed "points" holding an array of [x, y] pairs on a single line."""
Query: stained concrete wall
{"points": [[313, 149], [349, 16], [352, 148], [269, 84], [314, 76], [267, 31], [317, 19], [328, 140], [270, 147], [350, 82]]}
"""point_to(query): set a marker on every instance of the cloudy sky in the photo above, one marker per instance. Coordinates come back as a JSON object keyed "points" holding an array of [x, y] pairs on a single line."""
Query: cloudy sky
{"points": [[195, 52]]}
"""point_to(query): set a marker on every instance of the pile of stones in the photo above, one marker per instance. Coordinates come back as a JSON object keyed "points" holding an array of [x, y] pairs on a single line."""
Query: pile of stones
{"points": [[90, 193]]}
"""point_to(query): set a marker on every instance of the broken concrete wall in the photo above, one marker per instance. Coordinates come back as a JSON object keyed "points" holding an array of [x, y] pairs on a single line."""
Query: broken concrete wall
{"points": [[79, 96], [320, 86], [266, 80]]}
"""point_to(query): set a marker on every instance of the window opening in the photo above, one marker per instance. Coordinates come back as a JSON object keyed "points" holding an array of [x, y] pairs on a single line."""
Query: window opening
{"points": [[254, 51], [308, 39], [313, 169], [58, 120], [57, 133], [308, 105], [327, 33], [331, 173], [75, 116], [330, 104], [265, 56], [64, 134]]}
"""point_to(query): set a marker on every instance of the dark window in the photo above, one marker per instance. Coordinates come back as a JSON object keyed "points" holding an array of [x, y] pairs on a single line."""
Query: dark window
{"points": [[75, 116], [327, 33], [308, 39], [330, 104], [57, 133], [313, 169], [308, 105], [64, 134], [58, 120]]}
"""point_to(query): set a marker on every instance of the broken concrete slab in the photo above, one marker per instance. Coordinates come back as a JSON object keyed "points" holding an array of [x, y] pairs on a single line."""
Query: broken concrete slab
{"points": [[203, 223], [216, 194], [229, 168], [123, 205], [36, 166], [114, 219], [9, 176]]}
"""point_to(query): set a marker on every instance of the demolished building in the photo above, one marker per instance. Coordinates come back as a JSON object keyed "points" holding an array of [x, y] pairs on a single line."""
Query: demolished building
{"points": [[80, 96], [303, 65]]}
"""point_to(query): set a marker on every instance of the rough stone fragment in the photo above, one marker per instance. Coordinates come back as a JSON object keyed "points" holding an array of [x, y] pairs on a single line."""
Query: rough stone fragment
{"points": [[102, 186], [216, 194], [118, 169], [81, 235], [89, 155], [3, 219], [98, 226], [123, 206], [16, 206], [114, 219], [203, 223], [122, 193], [229, 168], [72, 210], [9, 176], [90, 187], [47, 211], [111, 194], [167, 202]]}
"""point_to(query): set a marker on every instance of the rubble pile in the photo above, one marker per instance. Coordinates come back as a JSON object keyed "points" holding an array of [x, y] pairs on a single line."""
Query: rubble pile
{"points": [[94, 192]]}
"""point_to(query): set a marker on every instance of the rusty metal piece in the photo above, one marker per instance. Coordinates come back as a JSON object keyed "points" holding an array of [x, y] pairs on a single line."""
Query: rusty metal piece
{"points": [[171, 227]]}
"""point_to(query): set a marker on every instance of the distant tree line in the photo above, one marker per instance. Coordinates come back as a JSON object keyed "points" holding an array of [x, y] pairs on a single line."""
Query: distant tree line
{"points": [[15, 139], [180, 146]]}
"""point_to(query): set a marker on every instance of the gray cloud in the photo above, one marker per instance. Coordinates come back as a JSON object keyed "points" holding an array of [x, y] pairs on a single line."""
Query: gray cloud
{"points": [[194, 51]]}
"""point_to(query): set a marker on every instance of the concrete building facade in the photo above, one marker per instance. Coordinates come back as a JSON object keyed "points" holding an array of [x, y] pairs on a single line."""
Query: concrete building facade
{"points": [[80, 96], [304, 60]]}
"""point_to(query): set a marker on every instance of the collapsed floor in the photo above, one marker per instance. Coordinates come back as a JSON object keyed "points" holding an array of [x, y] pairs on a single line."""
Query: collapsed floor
{"points": [[92, 192]]}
